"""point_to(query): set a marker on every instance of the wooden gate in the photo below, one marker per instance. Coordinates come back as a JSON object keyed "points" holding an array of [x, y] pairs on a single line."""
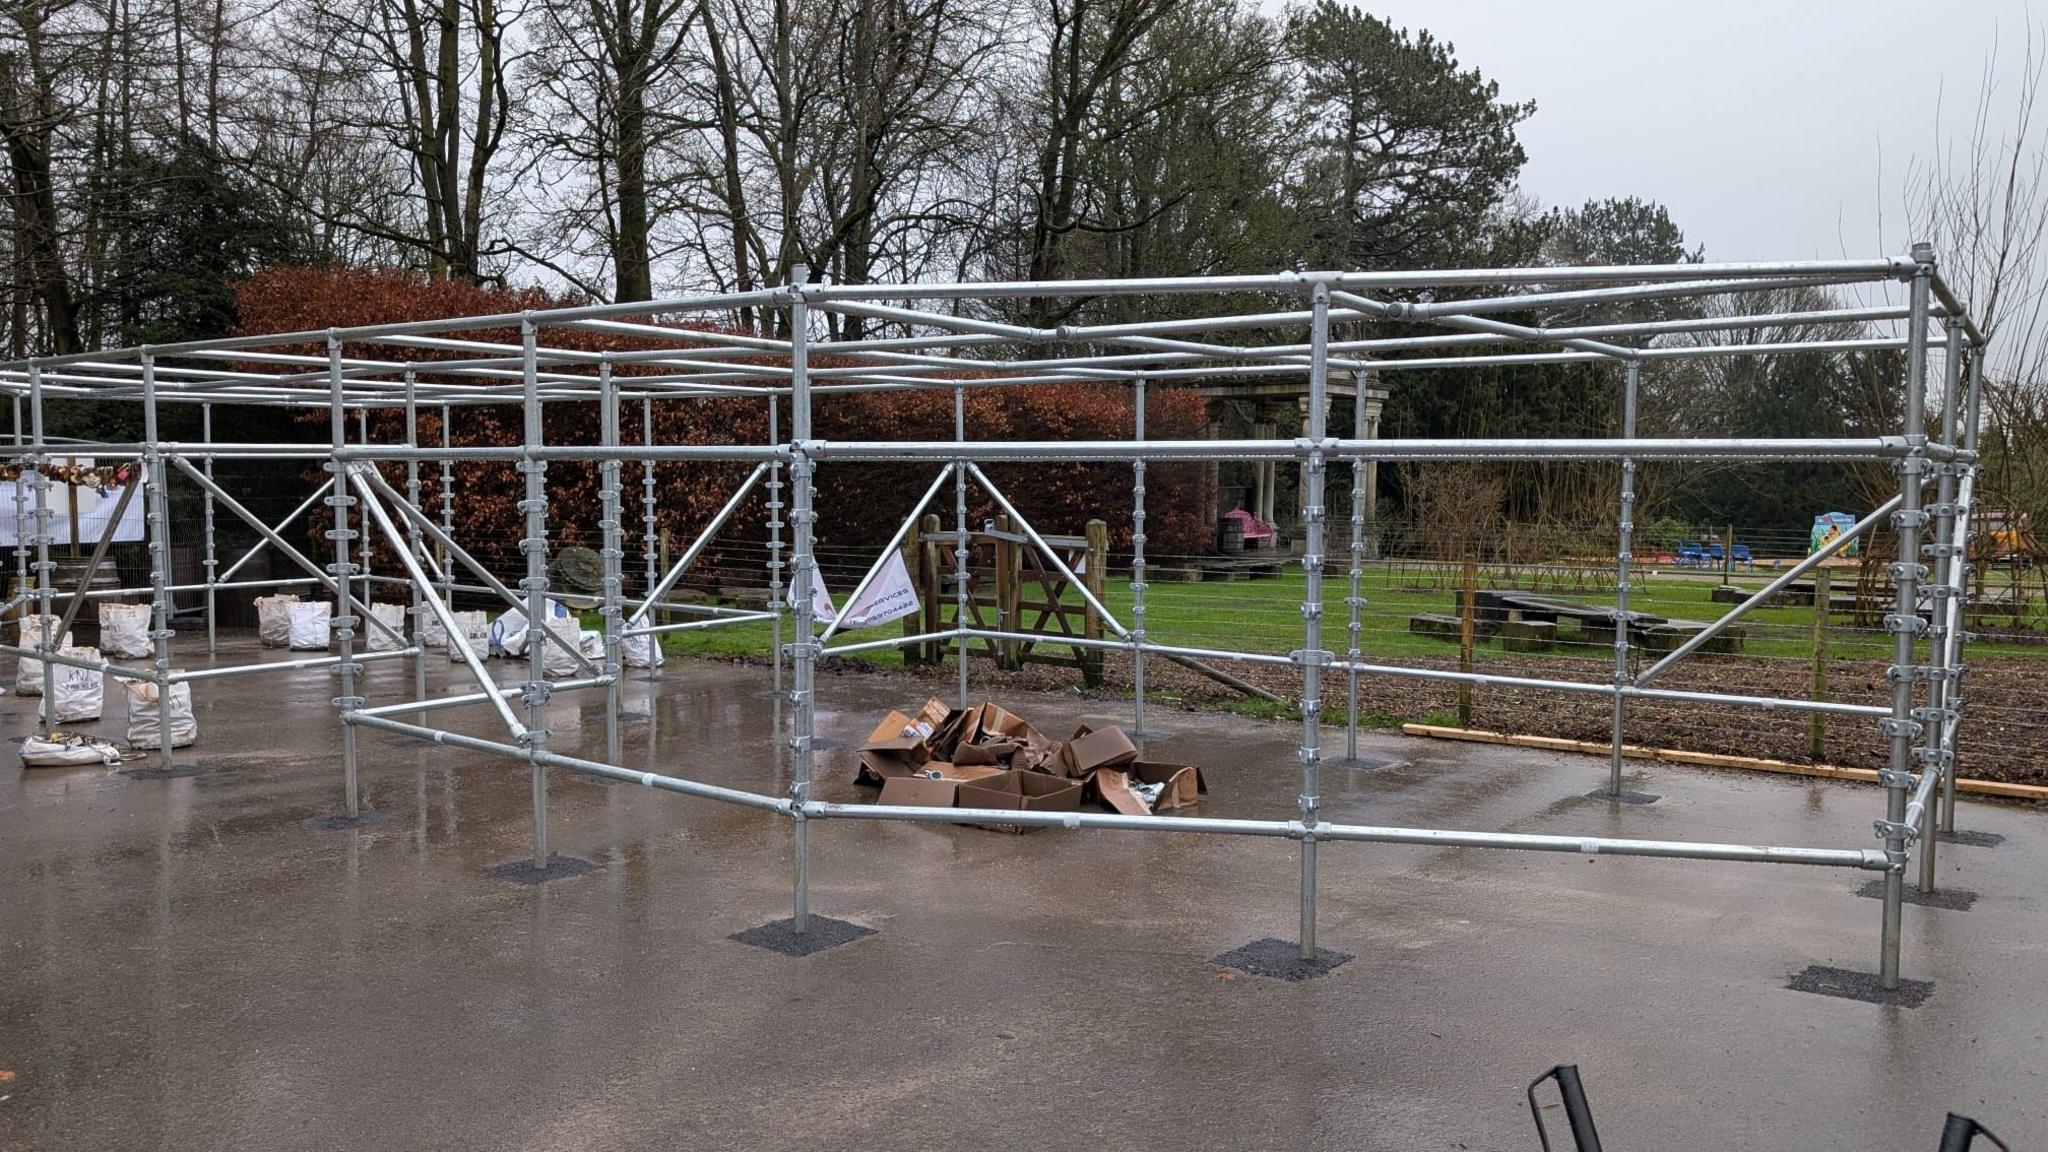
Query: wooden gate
{"points": [[1011, 588]]}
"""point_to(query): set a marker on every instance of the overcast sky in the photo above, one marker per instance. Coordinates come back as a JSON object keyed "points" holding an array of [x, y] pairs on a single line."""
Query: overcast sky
{"points": [[1772, 130]]}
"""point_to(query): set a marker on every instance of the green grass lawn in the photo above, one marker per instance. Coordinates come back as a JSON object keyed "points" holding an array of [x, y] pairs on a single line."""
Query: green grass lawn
{"points": [[1264, 615]]}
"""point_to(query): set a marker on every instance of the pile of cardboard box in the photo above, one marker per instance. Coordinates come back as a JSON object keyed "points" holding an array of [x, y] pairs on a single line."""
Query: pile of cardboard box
{"points": [[989, 757]]}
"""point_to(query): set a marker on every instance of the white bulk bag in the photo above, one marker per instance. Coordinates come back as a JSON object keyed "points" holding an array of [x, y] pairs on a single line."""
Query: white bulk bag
{"points": [[476, 628], [508, 634], [558, 660], [391, 614], [308, 625], [28, 674], [78, 690], [641, 651], [590, 642], [145, 722], [432, 633], [274, 620], [124, 630], [64, 749]]}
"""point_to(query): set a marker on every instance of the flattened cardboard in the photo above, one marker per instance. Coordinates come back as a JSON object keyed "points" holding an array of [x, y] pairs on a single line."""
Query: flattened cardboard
{"points": [[879, 767], [1113, 786], [900, 734], [1020, 791], [958, 772], [1090, 750], [996, 752], [918, 792]]}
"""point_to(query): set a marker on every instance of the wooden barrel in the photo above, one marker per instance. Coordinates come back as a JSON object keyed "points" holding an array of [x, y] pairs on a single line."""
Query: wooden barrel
{"points": [[1229, 534]]}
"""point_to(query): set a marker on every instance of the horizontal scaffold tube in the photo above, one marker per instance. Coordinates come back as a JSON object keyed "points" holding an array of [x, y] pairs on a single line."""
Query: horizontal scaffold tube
{"points": [[1865, 448], [291, 665], [1868, 859], [1865, 859], [653, 780], [435, 703]]}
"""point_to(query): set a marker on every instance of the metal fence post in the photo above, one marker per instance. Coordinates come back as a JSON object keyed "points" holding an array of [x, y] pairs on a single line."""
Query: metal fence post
{"points": [[1905, 625], [1312, 655], [1817, 722], [803, 572], [534, 544], [157, 514], [776, 603], [1935, 755], [1623, 561], [418, 611], [960, 569], [340, 501], [207, 561], [1138, 585], [614, 553], [39, 483], [1972, 412]]}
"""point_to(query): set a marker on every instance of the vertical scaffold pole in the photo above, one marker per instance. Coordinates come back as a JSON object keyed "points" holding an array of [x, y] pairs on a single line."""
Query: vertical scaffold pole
{"points": [[1935, 755], [1972, 413], [342, 570], [1905, 625], [208, 560], [535, 547], [158, 518], [776, 603], [39, 483], [447, 508], [418, 611], [1313, 657], [1624, 563], [1355, 602], [1138, 729], [803, 571], [21, 530], [960, 540], [368, 595], [649, 545], [614, 554]]}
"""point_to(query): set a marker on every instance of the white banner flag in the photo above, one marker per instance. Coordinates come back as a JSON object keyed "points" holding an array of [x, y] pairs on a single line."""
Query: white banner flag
{"points": [[890, 596]]}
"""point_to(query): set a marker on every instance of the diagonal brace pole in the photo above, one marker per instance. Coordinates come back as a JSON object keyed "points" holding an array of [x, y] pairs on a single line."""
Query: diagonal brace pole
{"points": [[1108, 618], [425, 588], [455, 550], [291, 553], [894, 543], [1769, 590], [99, 553], [261, 543], [697, 546]]}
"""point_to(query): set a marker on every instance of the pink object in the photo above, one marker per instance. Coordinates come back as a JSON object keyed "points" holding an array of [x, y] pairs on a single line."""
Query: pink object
{"points": [[1254, 528]]}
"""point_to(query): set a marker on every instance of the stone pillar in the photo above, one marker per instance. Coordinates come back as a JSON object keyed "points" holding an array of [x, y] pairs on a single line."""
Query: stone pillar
{"points": [[1373, 398]]}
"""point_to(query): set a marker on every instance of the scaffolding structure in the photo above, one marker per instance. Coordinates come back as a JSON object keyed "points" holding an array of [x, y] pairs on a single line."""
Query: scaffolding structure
{"points": [[947, 346]]}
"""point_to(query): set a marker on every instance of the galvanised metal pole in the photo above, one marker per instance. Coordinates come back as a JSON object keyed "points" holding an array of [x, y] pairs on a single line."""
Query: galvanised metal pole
{"points": [[157, 514], [1934, 753], [1355, 602], [40, 484], [21, 532], [1312, 655], [340, 500], [363, 437], [447, 509], [1623, 562], [417, 614], [614, 553], [1138, 563], [803, 571], [1906, 626], [207, 561], [959, 542], [535, 546], [1973, 410], [776, 604], [648, 542]]}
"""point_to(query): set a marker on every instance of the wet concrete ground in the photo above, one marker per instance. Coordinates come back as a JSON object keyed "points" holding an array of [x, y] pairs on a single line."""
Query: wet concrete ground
{"points": [[187, 964]]}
